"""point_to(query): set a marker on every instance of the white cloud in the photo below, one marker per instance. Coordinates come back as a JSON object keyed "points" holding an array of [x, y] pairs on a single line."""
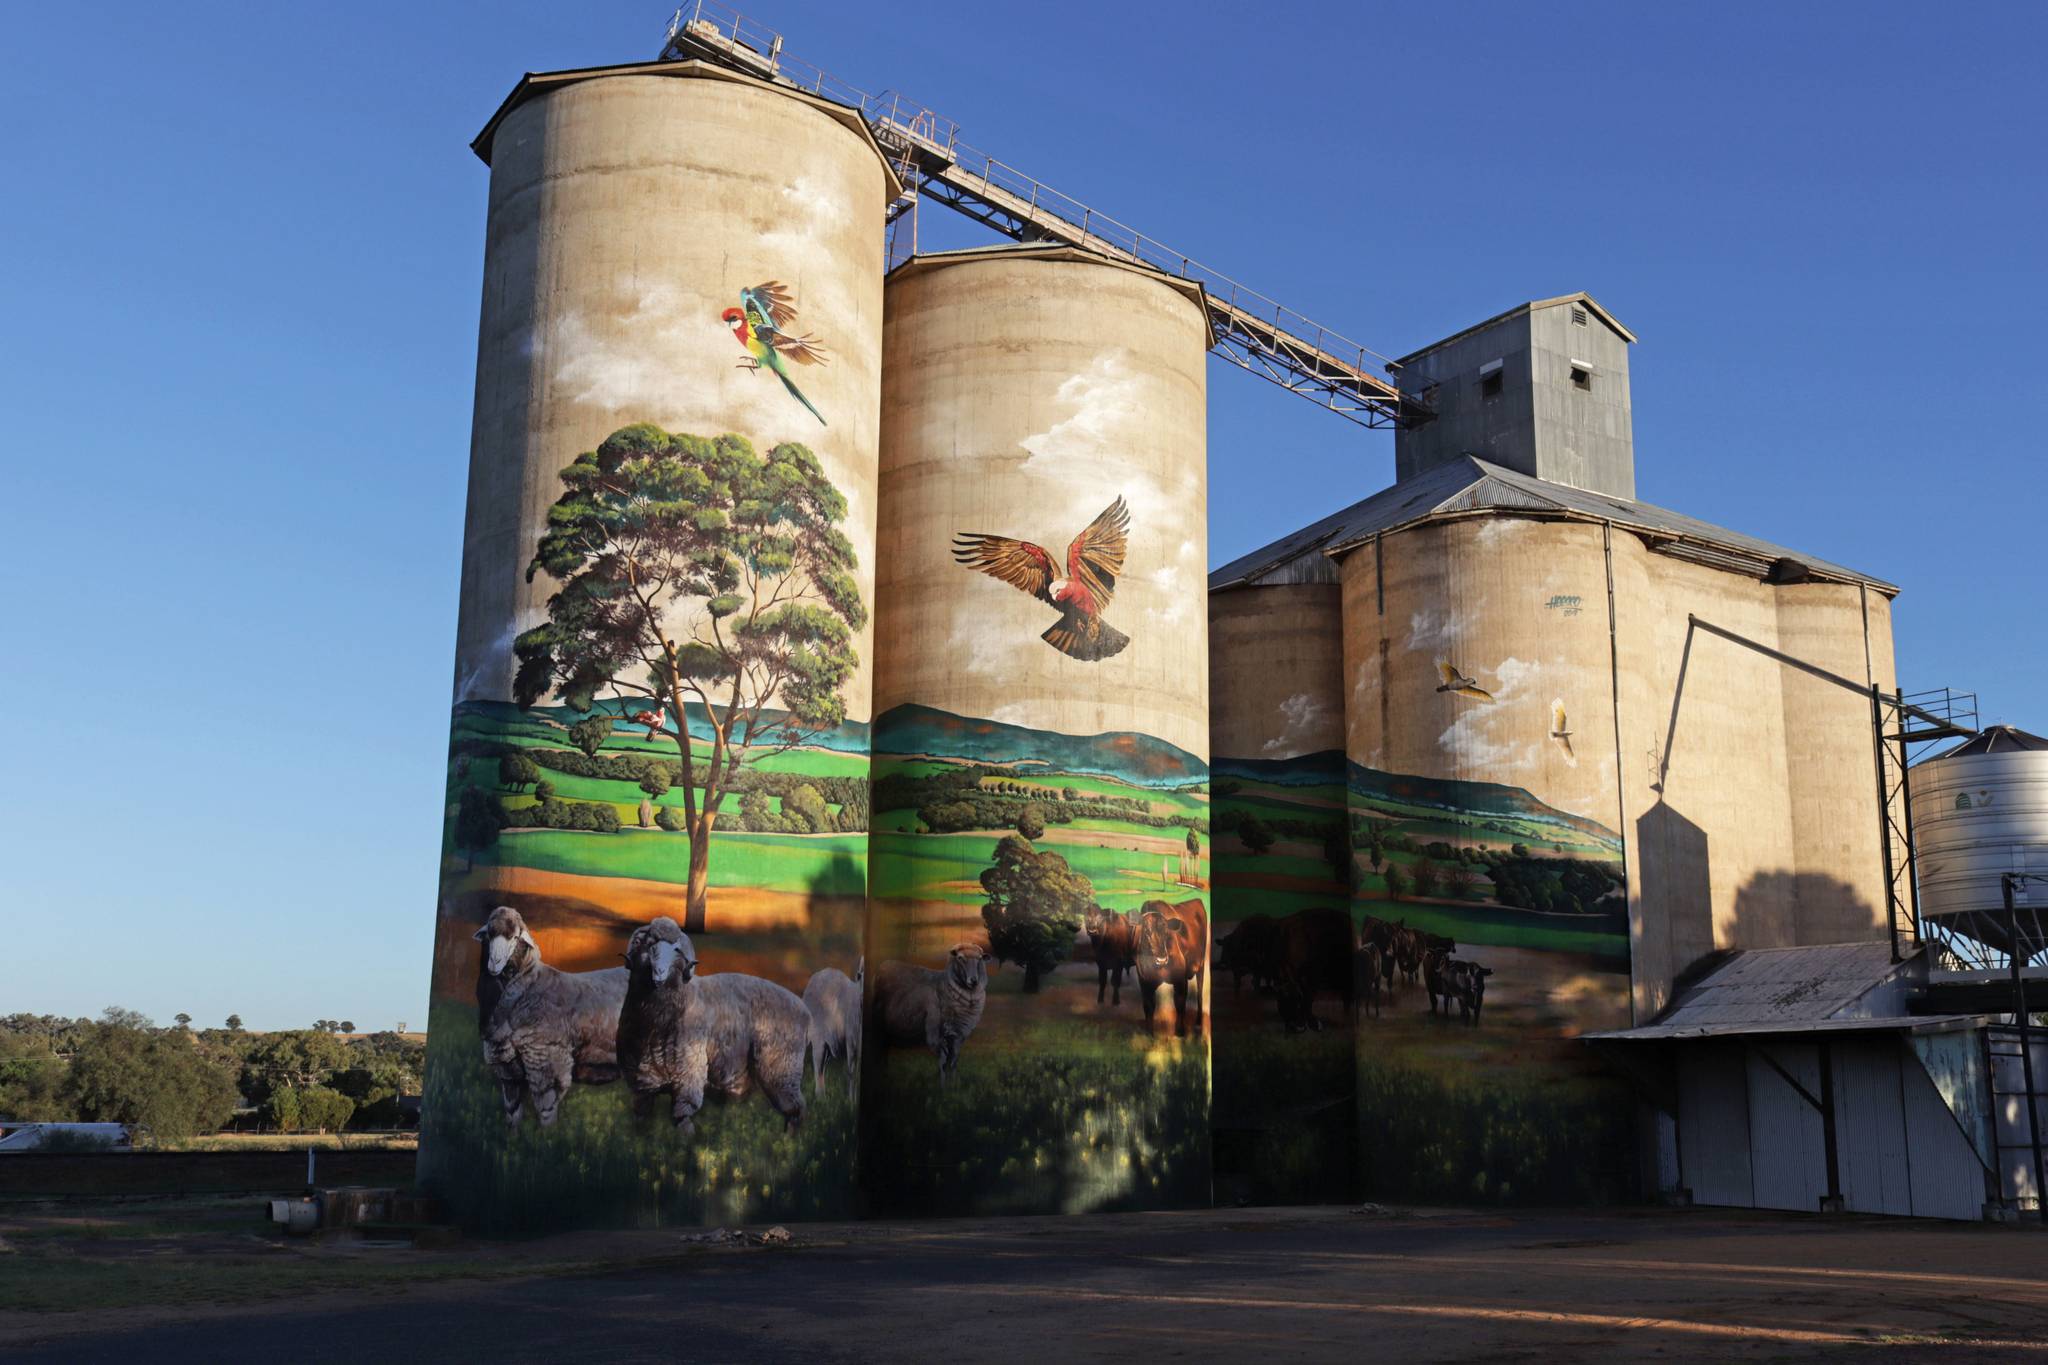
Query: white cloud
{"points": [[1493, 530], [1300, 715], [1433, 630]]}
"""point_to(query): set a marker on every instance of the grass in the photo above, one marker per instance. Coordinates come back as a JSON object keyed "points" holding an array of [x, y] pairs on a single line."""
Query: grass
{"points": [[298, 1142], [824, 864], [600, 1166], [1063, 1119]]}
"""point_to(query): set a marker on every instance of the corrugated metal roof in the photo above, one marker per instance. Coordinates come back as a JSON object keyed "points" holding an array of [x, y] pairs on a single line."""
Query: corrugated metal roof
{"points": [[1890, 1023], [1470, 485], [1997, 739]]}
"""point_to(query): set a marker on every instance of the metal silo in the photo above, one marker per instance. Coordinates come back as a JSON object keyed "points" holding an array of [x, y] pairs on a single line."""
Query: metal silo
{"points": [[1041, 739], [675, 436], [1980, 810]]}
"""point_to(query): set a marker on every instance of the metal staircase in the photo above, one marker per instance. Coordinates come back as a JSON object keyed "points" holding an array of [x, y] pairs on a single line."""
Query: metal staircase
{"points": [[1253, 332]]}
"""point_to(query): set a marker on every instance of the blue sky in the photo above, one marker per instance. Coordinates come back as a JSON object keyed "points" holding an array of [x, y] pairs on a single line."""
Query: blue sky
{"points": [[243, 250]]}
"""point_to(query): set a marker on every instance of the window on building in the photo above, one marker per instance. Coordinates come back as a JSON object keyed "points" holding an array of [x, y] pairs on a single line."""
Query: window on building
{"points": [[1582, 378], [1489, 385]]}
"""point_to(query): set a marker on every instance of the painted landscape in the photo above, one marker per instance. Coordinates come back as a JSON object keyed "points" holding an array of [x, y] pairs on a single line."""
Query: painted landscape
{"points": [[583, 842], [1487, 1098], [1013, 839]]}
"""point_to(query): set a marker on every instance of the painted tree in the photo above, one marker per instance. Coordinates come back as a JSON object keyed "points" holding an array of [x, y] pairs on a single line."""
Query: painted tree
{"points": [[478, 817], [696, 571], [1036, 904], [590, 733]]}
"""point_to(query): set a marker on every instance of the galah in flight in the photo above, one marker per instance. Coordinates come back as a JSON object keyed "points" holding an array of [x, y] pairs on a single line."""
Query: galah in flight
{"points": [[1093, 562], [763, 323]]}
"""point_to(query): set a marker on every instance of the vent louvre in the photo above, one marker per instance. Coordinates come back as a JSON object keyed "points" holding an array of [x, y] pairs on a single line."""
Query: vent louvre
{"points": [[1578, 316]]}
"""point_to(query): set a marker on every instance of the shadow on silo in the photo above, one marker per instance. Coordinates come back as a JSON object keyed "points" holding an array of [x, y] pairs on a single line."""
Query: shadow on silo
{"points": [[1783, 909], [1675, 888]]}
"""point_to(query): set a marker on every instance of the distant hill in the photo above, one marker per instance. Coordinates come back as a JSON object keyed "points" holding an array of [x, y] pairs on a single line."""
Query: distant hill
{"points": [[1138, 759], [1472, 798], [1318, 769], [851, 737]]}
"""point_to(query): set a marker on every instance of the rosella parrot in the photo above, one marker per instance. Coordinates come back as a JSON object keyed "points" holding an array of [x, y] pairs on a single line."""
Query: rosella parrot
{"points": [[1093, 562], [762, 323]]}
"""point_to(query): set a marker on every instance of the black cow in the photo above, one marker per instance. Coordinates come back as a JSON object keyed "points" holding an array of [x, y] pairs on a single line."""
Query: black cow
{"points": [[1313, 954], [1247, 950]]}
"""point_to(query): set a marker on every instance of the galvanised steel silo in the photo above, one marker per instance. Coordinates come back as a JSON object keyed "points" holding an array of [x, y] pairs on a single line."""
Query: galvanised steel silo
{"points": [[1980, 810], [1041, 740], [663, 665]]}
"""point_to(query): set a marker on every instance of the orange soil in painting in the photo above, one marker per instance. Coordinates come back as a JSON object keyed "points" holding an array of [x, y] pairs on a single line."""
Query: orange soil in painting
{"points": [[582, 923]]}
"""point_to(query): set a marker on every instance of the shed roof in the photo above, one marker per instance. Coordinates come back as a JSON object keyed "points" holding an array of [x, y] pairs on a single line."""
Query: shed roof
{"points": [[1888, 1023], [1582, 298], [1469, 485], [1828, 987]]}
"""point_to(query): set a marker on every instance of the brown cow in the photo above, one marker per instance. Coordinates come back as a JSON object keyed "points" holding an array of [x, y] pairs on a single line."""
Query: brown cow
{"points": [[1172, 950], [1115, 940], [1313, 954]]}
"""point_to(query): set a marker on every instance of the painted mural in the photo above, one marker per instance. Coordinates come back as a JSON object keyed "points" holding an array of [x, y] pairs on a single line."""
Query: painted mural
{"points": [[1285, 1119], [649, 949], [764, 325], [1493, 931], [1038, 1036], [1094, 561]]}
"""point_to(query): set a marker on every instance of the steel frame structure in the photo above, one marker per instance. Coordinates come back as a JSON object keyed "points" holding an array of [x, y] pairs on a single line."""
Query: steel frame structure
{"points": [[1251, 331]]}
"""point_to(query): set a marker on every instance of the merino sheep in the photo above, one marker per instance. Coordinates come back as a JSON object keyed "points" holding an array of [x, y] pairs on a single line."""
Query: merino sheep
{"points": [[918, 1007], [725, 1032], [833, 1000], [543, 1028]]}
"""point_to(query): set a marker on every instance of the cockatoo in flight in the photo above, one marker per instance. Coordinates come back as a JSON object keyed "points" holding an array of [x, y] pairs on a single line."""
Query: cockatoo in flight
{"points": [[1093, 562], [1560, 731], [1457, 683], [763, 323]]}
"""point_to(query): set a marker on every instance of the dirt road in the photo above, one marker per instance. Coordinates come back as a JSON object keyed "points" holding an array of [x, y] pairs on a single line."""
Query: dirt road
{"points": [[1297, 1284]]}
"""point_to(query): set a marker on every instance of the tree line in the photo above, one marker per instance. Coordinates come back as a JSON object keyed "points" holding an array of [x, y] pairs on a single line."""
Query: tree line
{"points": [[973, 797], [179, 1082]]}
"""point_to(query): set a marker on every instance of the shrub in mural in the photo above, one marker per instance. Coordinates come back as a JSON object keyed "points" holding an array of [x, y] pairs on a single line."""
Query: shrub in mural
{"points": [[684, 689], [1038, 855]]}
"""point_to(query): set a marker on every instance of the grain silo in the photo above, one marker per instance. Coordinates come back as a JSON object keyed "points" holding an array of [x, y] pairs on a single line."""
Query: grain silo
{"points": [[1980, 812], [1283, 1134], [1041, 734], [677, 407]]}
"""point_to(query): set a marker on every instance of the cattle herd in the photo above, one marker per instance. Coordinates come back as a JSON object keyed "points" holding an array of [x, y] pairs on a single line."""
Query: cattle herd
{"points": [[1317, 952], [1161, 944]]}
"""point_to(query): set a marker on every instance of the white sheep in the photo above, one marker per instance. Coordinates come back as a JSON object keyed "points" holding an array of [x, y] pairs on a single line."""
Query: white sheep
{"points": [[833, 999], [919, 1007], [686, 1033], [543, 1028]]}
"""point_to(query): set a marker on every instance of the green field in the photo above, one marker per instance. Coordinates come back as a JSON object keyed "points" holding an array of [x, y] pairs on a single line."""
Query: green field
{"points": [[918, 866], [823, 864]]}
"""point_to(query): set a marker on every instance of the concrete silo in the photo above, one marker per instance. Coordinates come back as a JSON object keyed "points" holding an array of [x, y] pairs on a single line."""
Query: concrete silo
{"points": [[1482, 782], [1041, 736], [677, 407], [1284, 1133]]}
